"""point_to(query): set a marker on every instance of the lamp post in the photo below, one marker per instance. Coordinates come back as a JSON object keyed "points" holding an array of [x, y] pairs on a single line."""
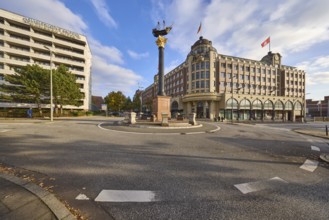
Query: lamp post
{"points": [[232, 102], [51, 84], [304, 109], [141, 97], [232, 96], [320, 107]]}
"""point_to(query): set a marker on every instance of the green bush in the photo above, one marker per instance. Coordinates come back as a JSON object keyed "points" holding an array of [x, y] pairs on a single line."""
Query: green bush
{"points": [[89, 113]]}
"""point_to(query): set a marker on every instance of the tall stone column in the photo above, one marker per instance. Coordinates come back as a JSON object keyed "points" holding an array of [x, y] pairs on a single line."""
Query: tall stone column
{"points": [[205, 105], [212, 112], [161, 103], [195, 106], [189, 108], [161, 42]]}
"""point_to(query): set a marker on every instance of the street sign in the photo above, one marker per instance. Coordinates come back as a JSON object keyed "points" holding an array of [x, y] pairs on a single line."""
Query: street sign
{"points": [[104, 107]]}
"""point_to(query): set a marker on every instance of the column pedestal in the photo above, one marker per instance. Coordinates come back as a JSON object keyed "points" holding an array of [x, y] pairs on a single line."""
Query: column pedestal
{"points": [[161, 105]]}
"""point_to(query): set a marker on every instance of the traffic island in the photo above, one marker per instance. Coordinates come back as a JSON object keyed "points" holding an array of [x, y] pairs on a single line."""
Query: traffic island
{"points": [[148, 127], [325, 157]]}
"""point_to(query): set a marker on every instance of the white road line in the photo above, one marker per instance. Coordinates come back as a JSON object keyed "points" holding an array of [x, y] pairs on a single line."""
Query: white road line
{"points": [[315, 148], [82, 197], [3, 131], [126, 196], [259, 185], [309, 165]]}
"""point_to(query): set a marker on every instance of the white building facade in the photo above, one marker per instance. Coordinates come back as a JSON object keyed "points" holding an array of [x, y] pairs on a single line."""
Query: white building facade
{"points": [[25, 41]]}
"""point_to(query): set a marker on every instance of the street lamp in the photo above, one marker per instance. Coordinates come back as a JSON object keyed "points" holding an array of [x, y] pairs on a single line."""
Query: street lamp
{"points": [[141, 97], [320, 107], [237, 89], [51, 84], [232, 96], [304, 115]]}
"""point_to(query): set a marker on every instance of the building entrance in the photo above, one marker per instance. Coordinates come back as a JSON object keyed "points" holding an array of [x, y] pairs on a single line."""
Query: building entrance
{"points": [[199, 111]]}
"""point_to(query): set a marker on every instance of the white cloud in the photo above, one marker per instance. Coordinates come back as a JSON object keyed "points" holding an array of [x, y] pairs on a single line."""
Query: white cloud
{"points": [[110, 54], [136, 55], [112, 77], [317, 70], [103, 13]]}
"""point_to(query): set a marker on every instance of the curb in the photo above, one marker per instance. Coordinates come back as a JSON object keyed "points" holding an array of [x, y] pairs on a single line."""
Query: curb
{"points": [[306, 133], [325, 157], [159, 133], [58, 208]]}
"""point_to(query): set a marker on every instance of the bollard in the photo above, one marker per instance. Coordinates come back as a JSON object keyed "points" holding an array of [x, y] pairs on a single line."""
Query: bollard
{"points": [[327, 130]]}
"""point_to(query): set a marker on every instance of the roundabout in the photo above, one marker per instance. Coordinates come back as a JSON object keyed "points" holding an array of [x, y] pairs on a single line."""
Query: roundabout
{"points": [[153, 128]]}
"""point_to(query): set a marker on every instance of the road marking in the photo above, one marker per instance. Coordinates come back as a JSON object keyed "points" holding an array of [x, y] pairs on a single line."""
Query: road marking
{"points": [[82, 197], [259, 185], [3, 131], [315, 148], [126, 196], [309, 165]]}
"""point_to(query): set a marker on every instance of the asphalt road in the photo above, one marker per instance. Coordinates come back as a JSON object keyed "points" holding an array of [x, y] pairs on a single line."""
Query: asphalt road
{"points": [[195, 176]]}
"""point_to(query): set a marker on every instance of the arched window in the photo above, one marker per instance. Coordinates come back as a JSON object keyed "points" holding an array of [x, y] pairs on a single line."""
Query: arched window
{"points": [[231, 102], [298, 106], [288, 105], [268, 105], [278, 105], [257, 104], [245, 104], [174, 105]]}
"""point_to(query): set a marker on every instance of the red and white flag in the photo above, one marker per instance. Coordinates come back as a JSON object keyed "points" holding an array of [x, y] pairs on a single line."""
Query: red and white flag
{"points": [[199, 29], [267, 41]]}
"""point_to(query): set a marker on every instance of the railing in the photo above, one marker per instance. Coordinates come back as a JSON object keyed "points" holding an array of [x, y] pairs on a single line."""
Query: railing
{"points": [[321, 119]]}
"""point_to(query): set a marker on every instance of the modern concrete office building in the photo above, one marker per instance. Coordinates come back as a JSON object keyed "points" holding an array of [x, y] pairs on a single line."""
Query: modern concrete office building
{"points": [[215, 85], [25, 41]]}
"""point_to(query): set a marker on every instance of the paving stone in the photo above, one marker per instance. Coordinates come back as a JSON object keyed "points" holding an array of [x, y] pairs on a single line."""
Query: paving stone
{"points": [[3, 209], [35, 207], [18, 198]]}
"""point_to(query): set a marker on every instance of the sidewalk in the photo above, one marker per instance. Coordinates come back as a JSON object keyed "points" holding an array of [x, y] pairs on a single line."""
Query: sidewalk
{"points": [[316, 133], [20, 199]]}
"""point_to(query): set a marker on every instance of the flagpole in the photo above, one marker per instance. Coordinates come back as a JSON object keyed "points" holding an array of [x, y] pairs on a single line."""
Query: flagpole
{"points": [[269, 46]]}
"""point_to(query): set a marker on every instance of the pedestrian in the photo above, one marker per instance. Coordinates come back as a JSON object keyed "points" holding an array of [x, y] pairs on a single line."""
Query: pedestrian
{"points": [[29, 113]]}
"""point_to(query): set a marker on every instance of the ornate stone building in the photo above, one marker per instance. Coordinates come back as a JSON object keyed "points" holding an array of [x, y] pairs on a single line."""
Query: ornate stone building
{"points": [[215, 85]]}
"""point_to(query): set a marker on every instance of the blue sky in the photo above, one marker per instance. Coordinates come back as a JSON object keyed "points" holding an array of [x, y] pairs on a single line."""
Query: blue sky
{"points": [[125, 55]]}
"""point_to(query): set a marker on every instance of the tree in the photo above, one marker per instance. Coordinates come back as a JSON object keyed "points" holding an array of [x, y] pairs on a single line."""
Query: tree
{"points": [[115, 101], [128, 104], [65, 89], [137, 101], [29, 84]]}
